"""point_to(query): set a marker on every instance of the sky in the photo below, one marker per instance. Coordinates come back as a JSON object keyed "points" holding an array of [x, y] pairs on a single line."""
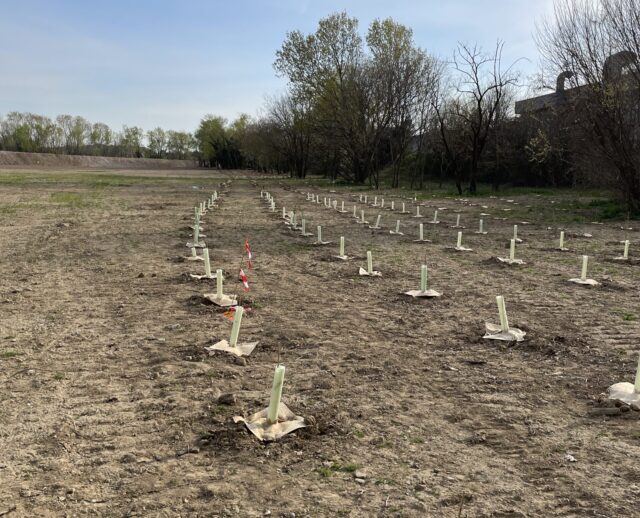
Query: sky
{"points": [[167, 63]]}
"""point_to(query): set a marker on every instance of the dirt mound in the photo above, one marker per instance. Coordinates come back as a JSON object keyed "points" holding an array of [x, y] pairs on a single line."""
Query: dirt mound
{"points": [[17, 159]]}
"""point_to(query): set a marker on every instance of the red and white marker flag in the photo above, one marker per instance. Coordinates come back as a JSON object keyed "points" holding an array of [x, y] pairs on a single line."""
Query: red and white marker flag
{"points": [[245, 281], [247, 249]]}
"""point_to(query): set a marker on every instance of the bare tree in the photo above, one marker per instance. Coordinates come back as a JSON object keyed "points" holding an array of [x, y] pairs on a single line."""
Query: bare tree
{"points": [[473, 105], [595, 46]]}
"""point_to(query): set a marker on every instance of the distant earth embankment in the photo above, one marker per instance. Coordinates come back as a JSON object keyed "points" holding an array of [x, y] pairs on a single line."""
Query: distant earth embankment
{"points": [[35, 160]]}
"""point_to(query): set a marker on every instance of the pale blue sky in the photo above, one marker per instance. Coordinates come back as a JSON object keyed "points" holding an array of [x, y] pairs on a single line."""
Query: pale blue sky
{"points": [[168, 62]]}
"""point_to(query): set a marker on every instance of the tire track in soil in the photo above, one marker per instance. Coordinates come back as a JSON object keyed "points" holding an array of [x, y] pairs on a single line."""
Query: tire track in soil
{"points": [[134, 429], [586, 330]]}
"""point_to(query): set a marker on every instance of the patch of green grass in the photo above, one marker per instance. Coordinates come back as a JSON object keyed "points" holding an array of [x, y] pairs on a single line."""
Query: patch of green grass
{"points": [[58, 376], [325, 472], [629, 317], [358, 433], [348, 468], [328, 471], [99, 180], [9, 354], [74, 200], [8, 208]]}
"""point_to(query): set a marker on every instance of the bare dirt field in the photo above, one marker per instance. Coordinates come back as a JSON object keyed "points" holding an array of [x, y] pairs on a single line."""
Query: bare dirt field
{"points": [[111, 406]]}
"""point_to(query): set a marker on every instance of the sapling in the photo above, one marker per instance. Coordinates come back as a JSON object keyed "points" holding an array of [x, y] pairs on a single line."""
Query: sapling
{"points": [[219, 298], [303, 230], [194, 254], [397, 230], [481, 228], [421, 235], [424, 291], [503, 331], [435, 217], [627, 392], [320, 241], [583, 274], [382, 203], [219, 287], [459, 246], [404, 210], [393, 205], [369, 271], [504, 321], [377, 225], [232, 346], [375, 201], [235, 328], [418, 215], [512, 255], [515, 234], [207, 264], [625, 253], [276, 395]]}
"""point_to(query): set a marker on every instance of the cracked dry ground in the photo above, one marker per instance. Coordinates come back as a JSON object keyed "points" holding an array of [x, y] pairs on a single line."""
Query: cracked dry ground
{"points": [[110, 404]]}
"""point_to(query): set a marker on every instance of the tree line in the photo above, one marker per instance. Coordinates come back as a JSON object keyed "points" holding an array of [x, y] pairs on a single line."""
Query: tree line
{"points": [[215, 143], [376, 108], [74, 135]]}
